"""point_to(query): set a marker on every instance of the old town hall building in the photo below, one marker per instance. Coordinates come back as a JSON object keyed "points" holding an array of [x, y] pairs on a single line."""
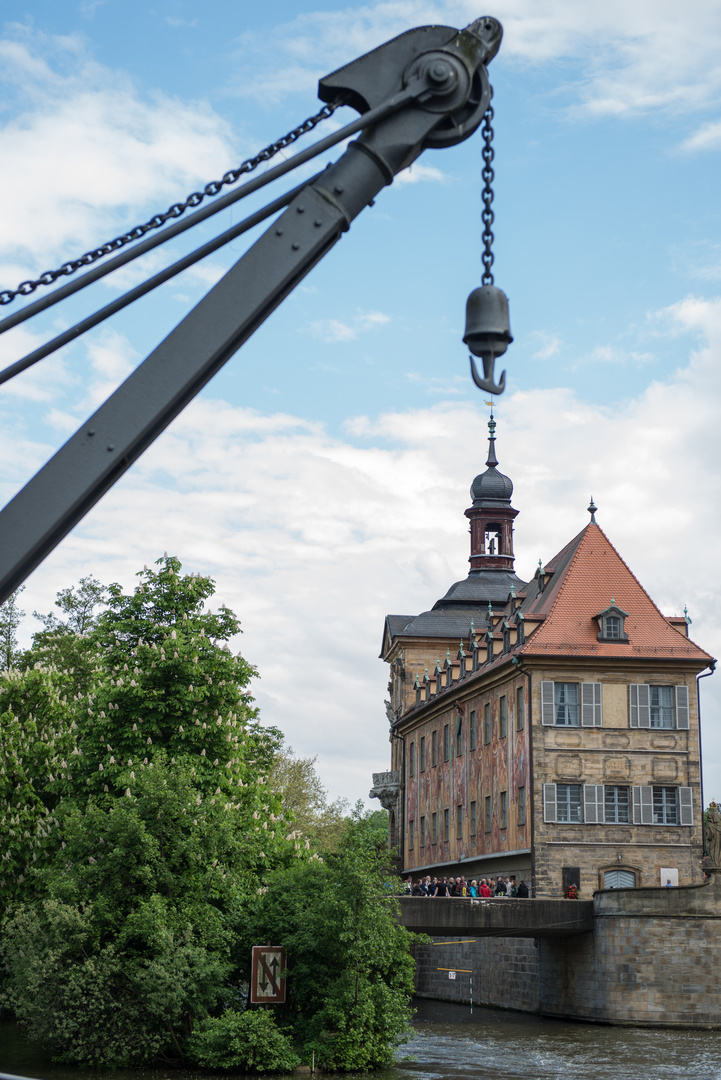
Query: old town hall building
{"points": [[545, 730]]}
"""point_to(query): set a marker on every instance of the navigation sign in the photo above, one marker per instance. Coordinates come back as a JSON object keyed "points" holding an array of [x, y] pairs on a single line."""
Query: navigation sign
{"points": [[267, 983]]}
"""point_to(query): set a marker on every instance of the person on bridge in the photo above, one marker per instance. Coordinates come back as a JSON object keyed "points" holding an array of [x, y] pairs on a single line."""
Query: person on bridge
{"points": [[500, 889], [485, 889], [522, 890]]}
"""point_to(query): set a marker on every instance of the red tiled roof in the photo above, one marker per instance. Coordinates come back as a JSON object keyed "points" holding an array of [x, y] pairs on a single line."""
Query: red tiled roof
{"points": [[582, 586]]}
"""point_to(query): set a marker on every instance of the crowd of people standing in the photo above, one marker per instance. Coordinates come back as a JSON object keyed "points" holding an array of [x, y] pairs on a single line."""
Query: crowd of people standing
{"points": [[484, 887]]}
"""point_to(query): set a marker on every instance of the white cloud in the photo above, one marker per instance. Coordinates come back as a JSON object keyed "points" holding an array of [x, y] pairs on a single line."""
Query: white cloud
{"points": [[332, 331], [416, 174], [548, 345], [314, 538], [623, 58], [85, 153]]}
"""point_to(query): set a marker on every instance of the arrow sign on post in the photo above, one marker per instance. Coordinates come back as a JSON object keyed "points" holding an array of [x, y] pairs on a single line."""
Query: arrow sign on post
{"points": [[267, 983]]}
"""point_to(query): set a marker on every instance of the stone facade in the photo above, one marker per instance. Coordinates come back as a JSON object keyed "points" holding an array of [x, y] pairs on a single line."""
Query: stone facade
{"points": [[501, 972]]}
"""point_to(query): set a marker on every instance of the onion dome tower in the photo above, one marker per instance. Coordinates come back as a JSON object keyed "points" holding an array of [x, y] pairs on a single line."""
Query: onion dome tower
{"points": [[492, 576], [491, 515]]}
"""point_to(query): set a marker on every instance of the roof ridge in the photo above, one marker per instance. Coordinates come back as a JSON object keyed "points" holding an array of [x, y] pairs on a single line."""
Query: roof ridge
{"points": [[580, 537], [583, 538], [550, 565]]}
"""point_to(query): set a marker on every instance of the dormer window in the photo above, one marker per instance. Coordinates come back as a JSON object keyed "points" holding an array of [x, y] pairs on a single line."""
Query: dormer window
{"points": [[611, 624]]}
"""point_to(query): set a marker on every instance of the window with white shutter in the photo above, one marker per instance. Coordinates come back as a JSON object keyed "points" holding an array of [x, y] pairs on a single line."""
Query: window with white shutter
{"points": [[682, 708], [643, 805], [593, 804], [549, 801], [685, 799], [639, 705], [547, 711], [591, 711]]}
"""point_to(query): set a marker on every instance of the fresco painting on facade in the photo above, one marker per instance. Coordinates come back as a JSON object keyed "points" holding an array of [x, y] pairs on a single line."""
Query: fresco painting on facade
{"points": [[562, 714]]}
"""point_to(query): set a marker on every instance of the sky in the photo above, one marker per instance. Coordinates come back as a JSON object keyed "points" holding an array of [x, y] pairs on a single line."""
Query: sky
{"points": [[321, 477]]}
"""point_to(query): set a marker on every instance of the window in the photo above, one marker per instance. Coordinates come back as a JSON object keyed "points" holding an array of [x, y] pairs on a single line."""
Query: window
{"points": [[521, 806], [488, 813], [434, 828], [411, 834], [459, 736], [562, 705], [661, 702], [565, 697], [616, 807], [662, 805], [665, 806], [504, 809], [446, 825], [569, 802], [619, 879], [423, 753], [472, 730], [459, 822], [423, 832], [473, 819], [446, 742], [487, 724], [503, 718], [434, 748], [412, 760], [658, 706], [570, 875], [520, 709], [611, 625]]}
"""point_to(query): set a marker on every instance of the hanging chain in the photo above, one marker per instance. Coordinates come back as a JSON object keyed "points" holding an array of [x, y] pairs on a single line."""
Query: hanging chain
{"points": [[487, 215], [25, 288]]}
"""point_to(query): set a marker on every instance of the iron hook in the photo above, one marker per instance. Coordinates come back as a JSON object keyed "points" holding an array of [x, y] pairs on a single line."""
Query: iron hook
{"points": [[486, 383]]}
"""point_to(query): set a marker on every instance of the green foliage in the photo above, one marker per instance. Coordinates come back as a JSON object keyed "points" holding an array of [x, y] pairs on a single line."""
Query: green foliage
{"points": [[249, 1041], [305, 801], [10, 617], [350, 970], [137, 810], [149, 842]]}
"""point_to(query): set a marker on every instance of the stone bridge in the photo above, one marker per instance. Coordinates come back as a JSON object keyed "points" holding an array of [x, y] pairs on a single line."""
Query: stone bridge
{"points": [[470, 917]]}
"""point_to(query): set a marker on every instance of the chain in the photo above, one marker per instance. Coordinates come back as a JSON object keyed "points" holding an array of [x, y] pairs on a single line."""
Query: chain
{"points": [[487, 215], [25, 288]]}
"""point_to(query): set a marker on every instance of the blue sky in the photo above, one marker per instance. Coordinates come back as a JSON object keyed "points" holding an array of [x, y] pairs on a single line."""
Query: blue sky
{"points": [[322, 476]]}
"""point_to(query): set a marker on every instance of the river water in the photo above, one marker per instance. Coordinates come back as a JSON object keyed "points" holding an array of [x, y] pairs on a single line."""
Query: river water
{"points": [[450, 1043]]}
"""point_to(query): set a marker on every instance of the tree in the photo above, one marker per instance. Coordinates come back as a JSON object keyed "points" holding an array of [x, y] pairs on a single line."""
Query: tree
{"points": [[350, 972], [10, 617], [139, 820], [305, 800], [78, 603]]}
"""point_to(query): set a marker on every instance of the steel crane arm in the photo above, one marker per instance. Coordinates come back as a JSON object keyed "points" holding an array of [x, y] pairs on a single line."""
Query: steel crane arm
{"points": [[434, 80]]}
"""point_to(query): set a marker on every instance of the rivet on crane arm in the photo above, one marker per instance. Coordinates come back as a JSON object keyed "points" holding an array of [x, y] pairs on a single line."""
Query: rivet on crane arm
{"points": [[488, 330]]}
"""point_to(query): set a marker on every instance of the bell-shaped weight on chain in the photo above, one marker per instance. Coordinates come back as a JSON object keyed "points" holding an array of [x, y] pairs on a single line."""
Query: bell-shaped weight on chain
{"points": [[488, 333]]}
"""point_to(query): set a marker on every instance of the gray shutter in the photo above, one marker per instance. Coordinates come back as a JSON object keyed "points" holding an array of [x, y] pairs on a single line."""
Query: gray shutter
{"points": [[547, 705], [682, 711], [549, 801], [591, 714], [593, 804], [639, 705], [685, 802], [643, 805]]}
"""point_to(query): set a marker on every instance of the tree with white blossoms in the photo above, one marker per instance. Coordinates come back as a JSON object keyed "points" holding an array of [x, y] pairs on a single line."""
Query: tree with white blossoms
{"points": [[137, 820]]}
